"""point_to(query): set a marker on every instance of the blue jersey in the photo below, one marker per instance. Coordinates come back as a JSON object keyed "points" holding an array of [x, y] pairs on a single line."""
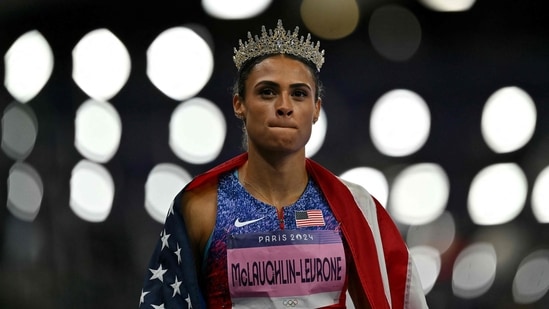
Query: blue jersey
{"points": [[238, 212]]}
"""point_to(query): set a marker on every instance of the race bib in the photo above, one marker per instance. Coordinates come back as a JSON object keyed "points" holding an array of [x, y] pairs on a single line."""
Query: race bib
{"points": [[286, 269]]}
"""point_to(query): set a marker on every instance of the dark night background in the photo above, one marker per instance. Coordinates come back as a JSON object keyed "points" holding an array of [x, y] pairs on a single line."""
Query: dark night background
{"points": [[61, 261]]}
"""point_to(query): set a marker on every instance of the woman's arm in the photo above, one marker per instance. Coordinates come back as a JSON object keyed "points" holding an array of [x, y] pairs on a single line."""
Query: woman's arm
{"points": [[199, 210]]}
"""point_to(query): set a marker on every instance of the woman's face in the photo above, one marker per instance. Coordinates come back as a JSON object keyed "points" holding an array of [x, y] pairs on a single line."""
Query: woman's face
{"points": [[279, 106]]}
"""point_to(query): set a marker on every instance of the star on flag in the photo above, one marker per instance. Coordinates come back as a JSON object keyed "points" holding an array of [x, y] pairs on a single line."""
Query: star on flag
{"points": [[158, 273]]}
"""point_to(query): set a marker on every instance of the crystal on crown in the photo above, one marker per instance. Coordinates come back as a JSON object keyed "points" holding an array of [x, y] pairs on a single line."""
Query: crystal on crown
{"points": [[278, 41]]}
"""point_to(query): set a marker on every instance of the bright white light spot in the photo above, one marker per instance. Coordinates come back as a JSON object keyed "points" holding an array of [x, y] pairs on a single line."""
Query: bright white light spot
{"points": [[370, 179], [29, 64], [164, 182], [179, 63], [540, 196], [508, 119], [19, 131], [395, 32], [497, 194], [531, 281], [101, 64], [427, 261], [474, 270], [400, 123], [317, 135], [98, 130], [448, 5], [235, 9], [25, 191], [438, 234], [197, 131], [92, 191], [330, 19], [419, 194]]}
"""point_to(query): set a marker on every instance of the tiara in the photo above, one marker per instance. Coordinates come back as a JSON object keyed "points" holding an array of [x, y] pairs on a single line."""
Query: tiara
{"points": [[278, 41]]}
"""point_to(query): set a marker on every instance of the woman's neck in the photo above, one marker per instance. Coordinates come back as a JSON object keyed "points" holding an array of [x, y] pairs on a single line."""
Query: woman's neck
{"points": [[277, 181]]}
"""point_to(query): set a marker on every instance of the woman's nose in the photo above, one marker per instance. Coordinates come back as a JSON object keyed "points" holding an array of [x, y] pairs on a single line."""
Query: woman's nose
{"points": [[284, 108]]}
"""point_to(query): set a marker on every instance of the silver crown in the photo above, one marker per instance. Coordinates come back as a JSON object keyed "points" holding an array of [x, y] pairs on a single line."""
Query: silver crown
{"points": [[278, 41]]}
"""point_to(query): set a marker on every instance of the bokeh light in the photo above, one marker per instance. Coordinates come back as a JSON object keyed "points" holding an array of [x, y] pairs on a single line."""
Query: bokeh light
{"points": [[197, 131], [91, 191], [448, 5], [179, 63], [540, 196], [497, 194], [163, 183], [98, 130], [474, 270], [318, 135], [370, 179], [330, 19], [508, 119], [419, 194], [25, 191], [395, 32], [29, 64], [19, 131], [400, 123], [101, 64], [531, 281], [438, 234], [235, 9]]}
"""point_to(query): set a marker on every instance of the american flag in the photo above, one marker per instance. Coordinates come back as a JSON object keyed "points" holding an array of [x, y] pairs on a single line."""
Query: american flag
{"points": [[170, 280], [311, 217]]}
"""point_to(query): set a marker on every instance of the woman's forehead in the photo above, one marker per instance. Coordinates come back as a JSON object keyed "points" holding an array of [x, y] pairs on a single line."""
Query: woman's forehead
{"points": [[280, 66]]}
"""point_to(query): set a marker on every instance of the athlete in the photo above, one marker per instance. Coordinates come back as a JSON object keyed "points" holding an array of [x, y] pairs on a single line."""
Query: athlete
{"points": [[271, 228]]}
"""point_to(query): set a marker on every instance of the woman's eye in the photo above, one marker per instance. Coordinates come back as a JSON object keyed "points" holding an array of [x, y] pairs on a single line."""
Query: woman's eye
{"points": [[267, 92], [300, 93]]}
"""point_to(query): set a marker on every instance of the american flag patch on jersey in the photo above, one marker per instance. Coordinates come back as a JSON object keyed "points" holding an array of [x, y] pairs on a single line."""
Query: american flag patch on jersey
{"points": [[311, 217]]}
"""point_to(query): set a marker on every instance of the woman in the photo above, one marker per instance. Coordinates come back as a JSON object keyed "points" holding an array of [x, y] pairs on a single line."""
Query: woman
{"points": [[271, 228]]}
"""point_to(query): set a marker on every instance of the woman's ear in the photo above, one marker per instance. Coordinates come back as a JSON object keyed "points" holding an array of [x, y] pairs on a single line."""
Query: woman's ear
{"points": [[318, 106], [238, 107]]}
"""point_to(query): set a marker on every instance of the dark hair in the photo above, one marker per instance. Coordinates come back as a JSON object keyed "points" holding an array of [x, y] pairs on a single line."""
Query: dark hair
{"points": [[239, 87]]}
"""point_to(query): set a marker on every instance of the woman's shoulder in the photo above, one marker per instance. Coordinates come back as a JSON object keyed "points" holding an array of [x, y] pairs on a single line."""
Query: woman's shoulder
{"points": [[199, 208], [200, 196]]}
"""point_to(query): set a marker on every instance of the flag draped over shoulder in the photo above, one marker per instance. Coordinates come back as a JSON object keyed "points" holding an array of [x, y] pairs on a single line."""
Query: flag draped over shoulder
{"points": [[170, 280], [383, 265]]}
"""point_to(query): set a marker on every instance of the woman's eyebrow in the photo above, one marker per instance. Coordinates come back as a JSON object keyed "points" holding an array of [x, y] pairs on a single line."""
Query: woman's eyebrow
{"points": [[276, 85], [267, 83], [300, 85]]}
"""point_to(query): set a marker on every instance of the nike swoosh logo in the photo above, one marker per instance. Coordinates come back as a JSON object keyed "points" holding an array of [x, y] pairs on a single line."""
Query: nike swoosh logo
{"points": [[239, 223]]}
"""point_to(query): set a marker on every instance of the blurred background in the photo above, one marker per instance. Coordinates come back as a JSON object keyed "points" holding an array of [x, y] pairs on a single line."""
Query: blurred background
{"points": [[438, 107]]}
